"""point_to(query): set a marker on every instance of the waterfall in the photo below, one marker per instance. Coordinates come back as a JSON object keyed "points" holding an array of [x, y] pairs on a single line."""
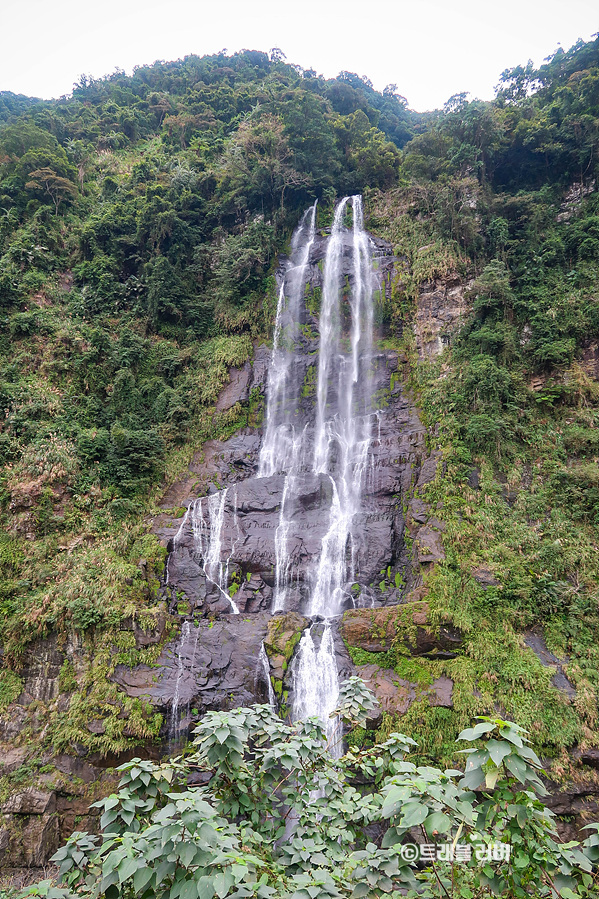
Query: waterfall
{"points": [[278, 446], [283, 564], [282, 448], [340, 433], [316, 685], [342, 439], [207, 517], [314, 449], [329, 333], [341, 444], [263, 672], [183, 657]]}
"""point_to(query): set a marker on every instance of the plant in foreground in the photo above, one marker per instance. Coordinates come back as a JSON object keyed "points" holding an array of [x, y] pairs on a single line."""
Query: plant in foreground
{"points": [[259, 809]]}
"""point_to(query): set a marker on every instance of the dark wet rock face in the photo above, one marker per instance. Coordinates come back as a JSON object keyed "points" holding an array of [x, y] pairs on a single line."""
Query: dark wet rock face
{"points": [[252, 510], [223, 550], [214, 667]]}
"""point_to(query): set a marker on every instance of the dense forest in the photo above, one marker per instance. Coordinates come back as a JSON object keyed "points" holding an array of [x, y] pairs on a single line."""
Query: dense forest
{"points": [[141, 221]]}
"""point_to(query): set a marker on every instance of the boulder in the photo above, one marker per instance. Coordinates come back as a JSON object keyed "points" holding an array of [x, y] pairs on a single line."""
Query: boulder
{"points": [[30, 802], [395, 695], [375, 630], [429, 545], [237, 390]]}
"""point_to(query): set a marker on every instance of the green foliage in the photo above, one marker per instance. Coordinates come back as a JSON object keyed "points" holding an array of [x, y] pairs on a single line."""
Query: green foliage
{"points": [[10, 687], [140, 220], [280, 817]]}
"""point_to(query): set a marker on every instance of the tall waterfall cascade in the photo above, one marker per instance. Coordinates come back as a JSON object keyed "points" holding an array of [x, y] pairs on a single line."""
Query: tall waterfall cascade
{"points": [[333, 447], [299, 533]]}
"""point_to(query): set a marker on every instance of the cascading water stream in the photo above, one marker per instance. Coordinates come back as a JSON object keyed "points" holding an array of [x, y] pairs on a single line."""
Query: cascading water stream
{"points": [[341, 441], [341, 444], [282, 449], [263, 672], [207, 534], [278, 450], [174, 729], [329, 334], [316, 685]]}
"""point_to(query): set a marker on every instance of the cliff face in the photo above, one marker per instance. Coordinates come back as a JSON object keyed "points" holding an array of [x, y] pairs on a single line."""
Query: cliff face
{"points": [[217, 662], [200, 656], [204, 657]]}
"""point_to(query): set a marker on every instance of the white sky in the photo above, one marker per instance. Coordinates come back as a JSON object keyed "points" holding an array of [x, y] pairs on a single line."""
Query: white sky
{"points": [[430, 48]]}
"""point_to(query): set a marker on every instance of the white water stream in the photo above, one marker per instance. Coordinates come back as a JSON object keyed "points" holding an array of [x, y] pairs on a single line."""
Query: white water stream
{"points": [[279, 451], [341, 435], [263, 671], [332, 445], [185, 653]]}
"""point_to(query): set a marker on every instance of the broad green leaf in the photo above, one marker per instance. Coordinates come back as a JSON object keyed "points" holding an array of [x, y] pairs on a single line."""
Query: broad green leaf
{"points": [[360, 890], [414, 813], [473, 733], [128, 867], [517, 767], [513, 735], [189, 890], [497, 750], [141, 878], [186, 853], [438, 822]]}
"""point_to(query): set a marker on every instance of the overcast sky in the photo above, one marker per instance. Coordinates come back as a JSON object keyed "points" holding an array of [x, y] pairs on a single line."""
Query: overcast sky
{"points": [[430, 48]]}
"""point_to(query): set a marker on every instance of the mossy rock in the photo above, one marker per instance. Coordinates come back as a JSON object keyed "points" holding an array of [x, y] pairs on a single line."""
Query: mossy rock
{"points": [[284, 633], [405, 628]]}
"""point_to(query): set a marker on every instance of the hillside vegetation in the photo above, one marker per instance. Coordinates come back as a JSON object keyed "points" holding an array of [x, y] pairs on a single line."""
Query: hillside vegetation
{"points": [[141, 220]]}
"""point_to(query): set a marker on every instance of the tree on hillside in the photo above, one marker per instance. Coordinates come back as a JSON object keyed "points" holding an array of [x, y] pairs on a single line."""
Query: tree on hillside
{"points": [[47, 180]]}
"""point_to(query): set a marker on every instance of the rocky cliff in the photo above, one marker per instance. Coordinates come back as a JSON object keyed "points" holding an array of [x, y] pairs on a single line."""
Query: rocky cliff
{"points": [[202, 655]]}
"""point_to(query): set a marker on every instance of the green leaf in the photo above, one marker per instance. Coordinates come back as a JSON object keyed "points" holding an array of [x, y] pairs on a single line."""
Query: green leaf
{"points": [[473, 733], [438, 822], [223, 882], [186, 853], [141, 878], [189, 890], [127, 868], [517, 767], [497, 750], [360, 890], [414, 813]]}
